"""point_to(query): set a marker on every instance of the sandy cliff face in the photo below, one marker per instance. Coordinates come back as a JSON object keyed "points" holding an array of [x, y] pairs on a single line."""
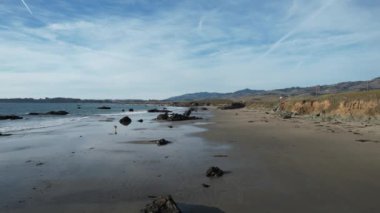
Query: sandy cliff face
{"points": [[345, 108]]}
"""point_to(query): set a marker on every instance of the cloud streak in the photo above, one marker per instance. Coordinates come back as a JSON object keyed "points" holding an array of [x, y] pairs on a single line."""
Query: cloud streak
{"points": [[27, 7], [298, 27]]}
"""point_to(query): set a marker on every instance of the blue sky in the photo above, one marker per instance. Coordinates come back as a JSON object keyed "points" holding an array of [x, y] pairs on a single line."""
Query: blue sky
{"points": [[162, 48]]}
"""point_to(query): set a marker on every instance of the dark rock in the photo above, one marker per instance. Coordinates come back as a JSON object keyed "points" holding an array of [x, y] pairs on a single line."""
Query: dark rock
{"points": [[104, 107], [170, 126], [286, 115], [235, 105], [123, 110], [4, 135], [159, 110], [164, 116], [140, 120], [214, 172], [204, 108], [57, 113], [10, 117], [125, 121], [188, 112], [162, 142], [179, 117], [162, 204], [50, 113], [205, 185], [131, 110]]}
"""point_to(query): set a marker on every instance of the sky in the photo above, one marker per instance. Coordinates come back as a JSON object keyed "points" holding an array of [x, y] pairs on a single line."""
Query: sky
{"points": [[156, 49]]}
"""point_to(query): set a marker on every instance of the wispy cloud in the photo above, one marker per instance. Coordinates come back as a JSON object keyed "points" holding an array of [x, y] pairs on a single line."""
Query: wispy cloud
{"points": [[139, 50], [309, 18], [27, 7]]}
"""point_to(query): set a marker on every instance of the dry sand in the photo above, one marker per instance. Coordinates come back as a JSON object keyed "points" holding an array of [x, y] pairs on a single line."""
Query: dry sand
{"points": [[273, 165], [296, 165]]}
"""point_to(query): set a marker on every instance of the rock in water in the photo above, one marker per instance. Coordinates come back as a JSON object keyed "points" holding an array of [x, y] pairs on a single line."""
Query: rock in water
{"points": [[131, 110], [4, 135], [159, 110], [125, 121], [50, 113], [10, 117], [140, 120], [214, 172], [162, 204], [162, 142], [57, 113], [104, 107]]}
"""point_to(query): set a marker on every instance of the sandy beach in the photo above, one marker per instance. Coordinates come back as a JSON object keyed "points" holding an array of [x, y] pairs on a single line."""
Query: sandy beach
{"points": [[271, 164], [296, 165]]}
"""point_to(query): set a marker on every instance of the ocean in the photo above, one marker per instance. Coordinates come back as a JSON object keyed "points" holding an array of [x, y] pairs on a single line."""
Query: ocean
{"points": [[77, 113]]}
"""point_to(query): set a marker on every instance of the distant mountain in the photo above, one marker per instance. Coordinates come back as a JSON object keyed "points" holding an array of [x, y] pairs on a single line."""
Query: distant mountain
{"points": [[292, 91], [214, 95]]}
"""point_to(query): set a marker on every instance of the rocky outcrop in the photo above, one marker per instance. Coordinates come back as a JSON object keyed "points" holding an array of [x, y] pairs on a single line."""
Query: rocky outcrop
{"points": [[188, 112], [140, 120], [178, 117], [162, 117], [162, 204], [235, 105], [10, 117], [131, 110], [125, 121]]}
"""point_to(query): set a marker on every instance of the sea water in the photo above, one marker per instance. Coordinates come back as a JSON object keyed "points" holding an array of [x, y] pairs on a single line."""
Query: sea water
{"points": [[78, 112]]}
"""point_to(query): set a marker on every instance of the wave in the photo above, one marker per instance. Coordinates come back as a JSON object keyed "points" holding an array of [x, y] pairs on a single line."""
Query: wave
{"points": [[30, 125], [122, 113]]}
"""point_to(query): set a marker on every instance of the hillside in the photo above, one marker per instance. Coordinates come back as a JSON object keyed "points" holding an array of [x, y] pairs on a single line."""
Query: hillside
{"points": [[293, 91]]}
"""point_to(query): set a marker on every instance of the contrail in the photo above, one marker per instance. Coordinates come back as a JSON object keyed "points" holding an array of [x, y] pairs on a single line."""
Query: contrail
{"points": [[200, 24], [290, 33], [27, 7]]}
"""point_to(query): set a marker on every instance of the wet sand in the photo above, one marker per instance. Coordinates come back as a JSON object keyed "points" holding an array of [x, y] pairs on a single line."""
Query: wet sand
{"points": [[85, 167], [273, 165]]}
